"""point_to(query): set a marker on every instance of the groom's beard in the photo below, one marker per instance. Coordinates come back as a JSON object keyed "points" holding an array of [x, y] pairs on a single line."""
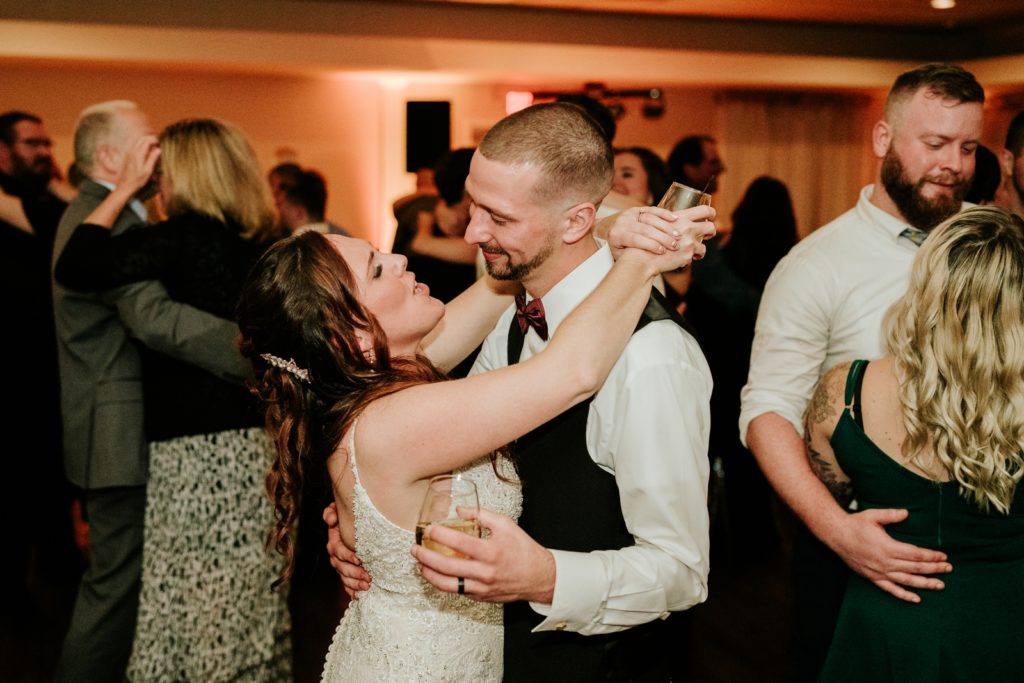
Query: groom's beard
{"points": [[514, 272]]}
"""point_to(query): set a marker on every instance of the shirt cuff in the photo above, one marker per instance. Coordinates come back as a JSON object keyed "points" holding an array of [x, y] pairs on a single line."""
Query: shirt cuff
{"points": [[580, 587]]}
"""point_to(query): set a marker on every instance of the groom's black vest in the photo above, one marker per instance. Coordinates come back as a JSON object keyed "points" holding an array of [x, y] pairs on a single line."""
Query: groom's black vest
{"points": [[569, 503]]}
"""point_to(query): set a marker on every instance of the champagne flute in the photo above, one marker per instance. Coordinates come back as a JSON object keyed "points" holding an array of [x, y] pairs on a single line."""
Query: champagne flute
{"points": [[446, 494], [679, 197]]}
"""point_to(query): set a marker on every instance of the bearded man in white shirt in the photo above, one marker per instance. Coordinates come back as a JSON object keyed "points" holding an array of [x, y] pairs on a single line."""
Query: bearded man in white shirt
{"points": [[823, 305]]}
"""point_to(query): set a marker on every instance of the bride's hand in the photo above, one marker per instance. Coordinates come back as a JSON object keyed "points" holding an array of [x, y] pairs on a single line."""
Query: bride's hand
{"points": [[658, 230], [690, 229]]}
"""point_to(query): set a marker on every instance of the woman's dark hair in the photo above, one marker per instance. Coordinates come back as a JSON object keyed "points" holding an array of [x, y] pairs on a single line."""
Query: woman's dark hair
{"points": [[987, 176], [763, 231], [300, 303], [655, 167]]}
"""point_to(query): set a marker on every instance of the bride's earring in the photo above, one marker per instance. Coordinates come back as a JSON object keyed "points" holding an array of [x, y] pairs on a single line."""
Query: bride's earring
{"points": [[370, 356]]}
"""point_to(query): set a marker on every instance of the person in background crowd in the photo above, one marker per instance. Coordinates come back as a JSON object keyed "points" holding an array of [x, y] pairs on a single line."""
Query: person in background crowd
{"points": [[640, 174], [303, 204], [41, 559], [987, 182], [694, 161], [1011, 157], [763, 231]]}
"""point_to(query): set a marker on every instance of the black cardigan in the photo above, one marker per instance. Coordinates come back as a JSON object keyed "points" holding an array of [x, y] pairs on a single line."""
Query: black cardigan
{"points": [[202, 262]]}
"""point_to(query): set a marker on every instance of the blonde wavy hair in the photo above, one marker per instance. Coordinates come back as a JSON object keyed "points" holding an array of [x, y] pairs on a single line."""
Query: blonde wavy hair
{"points": [[957, 338], [214, 172]]}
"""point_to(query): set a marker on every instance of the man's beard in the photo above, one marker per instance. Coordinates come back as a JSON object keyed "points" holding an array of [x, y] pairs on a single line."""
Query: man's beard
{"points": [[919, 211], [515, 272], [32, 177]]}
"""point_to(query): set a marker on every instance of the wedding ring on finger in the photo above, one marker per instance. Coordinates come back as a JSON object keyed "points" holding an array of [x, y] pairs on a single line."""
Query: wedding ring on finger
{"points": [[462, 585]]}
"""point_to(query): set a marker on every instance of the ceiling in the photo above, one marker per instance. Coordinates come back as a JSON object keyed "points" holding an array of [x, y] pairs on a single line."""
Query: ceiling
{"points": [[798, 44], [893, 13]]}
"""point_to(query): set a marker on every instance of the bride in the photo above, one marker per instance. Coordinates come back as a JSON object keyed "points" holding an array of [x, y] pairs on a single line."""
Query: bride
{"points": [[349, 352]]}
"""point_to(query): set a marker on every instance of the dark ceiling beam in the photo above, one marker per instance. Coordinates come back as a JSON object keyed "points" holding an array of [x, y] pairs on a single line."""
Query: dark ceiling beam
{"points": [[396, 18]]}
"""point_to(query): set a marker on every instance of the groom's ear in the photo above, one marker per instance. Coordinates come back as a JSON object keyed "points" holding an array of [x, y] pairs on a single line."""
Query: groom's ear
{"points": [[580, 222]]}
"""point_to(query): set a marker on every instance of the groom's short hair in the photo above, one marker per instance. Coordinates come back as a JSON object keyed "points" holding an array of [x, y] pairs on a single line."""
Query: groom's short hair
{"points": [[564, 142]]}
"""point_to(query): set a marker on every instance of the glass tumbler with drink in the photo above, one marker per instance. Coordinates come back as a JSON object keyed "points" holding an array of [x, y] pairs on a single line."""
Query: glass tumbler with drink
{"points": [[447, 495], [679, 197]]}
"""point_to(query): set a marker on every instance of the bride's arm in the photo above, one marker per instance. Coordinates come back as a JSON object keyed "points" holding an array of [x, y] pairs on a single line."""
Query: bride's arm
{"points": [[447, 424]]}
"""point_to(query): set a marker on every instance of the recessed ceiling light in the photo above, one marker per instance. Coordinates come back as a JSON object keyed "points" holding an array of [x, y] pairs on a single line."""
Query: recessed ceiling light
{"points": [[943, 4]]}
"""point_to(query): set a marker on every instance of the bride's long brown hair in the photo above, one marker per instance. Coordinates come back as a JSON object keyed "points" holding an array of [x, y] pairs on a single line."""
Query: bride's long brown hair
{"points": [[300, 302]]}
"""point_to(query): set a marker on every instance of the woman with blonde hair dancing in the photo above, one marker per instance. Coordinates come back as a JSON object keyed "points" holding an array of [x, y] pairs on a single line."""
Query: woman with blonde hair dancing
{"points": [[937, 428]]}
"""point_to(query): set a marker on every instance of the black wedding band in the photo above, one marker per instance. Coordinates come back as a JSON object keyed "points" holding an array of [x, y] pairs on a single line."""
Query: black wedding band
{"points": [[462, 586]]}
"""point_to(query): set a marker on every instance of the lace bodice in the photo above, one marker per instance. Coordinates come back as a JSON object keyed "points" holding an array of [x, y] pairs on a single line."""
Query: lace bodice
{"points": [[402, 629]]}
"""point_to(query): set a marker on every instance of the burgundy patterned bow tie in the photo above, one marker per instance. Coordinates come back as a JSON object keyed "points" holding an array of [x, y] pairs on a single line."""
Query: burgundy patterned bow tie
{"points": [[531, 315]]}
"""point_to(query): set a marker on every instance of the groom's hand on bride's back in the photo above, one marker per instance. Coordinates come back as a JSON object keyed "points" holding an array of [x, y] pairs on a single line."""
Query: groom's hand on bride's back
{"points": [[505, 566], [344, 559]]}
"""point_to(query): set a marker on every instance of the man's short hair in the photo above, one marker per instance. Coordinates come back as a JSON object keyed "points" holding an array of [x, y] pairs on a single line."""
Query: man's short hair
{"points": [[597, 111], [450, 173], [564, 142], [688, 152], [10, 119], [1015, 135], [308, 189], [97, 125], [288, 171], [947, 81]]}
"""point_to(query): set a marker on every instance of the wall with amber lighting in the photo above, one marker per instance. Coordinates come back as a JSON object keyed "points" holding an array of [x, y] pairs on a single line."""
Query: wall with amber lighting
{"points": [[349, 127]]}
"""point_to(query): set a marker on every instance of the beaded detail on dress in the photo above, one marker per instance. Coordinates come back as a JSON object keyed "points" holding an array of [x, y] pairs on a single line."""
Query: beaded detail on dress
{"points": [[402, 629]]}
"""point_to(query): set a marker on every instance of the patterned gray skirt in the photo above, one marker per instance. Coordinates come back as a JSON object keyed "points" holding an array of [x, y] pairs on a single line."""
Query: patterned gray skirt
{"points": [[206, 610]]}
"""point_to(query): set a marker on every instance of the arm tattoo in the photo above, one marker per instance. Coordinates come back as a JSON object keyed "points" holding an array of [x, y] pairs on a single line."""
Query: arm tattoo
{"points": [[819, 410], [820, 407], [841, 489]]}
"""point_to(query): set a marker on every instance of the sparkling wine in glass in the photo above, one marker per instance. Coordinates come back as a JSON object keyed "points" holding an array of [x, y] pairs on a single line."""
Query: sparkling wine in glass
{"points": [[679, 197], [447, 494]]}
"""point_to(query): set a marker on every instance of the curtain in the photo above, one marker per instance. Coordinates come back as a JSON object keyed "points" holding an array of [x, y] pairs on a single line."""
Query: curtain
{"points": [[818, 144]]}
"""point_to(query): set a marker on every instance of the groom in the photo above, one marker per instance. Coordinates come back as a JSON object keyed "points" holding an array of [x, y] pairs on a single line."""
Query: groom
{"points": [[613, 538]]}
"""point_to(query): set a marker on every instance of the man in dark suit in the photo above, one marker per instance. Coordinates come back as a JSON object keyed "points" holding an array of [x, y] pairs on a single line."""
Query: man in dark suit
{"points": [[105, 447]]}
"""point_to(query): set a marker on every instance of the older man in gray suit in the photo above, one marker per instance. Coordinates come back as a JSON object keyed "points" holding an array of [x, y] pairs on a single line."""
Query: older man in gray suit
{"points": [[105, 446]]}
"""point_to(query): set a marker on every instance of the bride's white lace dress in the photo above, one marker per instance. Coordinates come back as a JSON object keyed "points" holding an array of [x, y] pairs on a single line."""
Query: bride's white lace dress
{"points": [[403, 629]]}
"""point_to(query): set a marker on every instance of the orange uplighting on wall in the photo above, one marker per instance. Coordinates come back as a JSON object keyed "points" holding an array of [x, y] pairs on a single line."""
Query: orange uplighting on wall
{"points": [[516, 100]]}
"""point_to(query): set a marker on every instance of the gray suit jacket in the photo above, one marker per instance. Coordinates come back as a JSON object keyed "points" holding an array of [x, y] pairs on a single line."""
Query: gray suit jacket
{"points": [[100, 371]]}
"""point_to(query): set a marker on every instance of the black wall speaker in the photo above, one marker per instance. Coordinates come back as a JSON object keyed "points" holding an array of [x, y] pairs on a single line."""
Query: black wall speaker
{"points": [[428, 133]]}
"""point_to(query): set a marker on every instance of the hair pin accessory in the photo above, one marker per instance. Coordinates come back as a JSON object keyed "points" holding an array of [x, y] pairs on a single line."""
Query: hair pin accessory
{"points": [[288, 366]]}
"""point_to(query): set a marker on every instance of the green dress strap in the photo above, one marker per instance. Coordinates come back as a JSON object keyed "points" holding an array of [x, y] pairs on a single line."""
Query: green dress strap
{"points": [[854, 378]]}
